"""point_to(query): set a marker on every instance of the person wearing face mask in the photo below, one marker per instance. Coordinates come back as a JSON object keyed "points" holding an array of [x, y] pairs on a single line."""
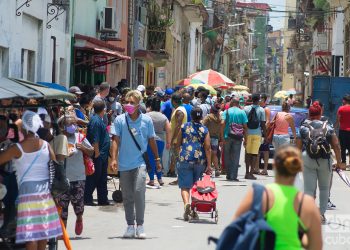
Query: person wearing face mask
{"points": [[98, 136], [75, 171], [15, 121], [102, 94], [127, 129], [9, 180], [114, 105]]}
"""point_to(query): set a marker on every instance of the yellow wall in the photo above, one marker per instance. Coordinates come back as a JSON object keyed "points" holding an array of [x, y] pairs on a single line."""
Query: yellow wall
{"points": [[288, 80]]}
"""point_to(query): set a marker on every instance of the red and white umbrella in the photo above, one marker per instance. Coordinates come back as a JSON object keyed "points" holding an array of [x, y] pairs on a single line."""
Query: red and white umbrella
{"points": [[212, 78]]}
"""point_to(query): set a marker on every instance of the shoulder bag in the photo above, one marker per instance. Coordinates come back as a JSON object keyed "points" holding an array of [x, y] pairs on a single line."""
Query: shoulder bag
{"points": [[270, 130], [144, 154], [236, 131], [88, 162], [58, 182]]}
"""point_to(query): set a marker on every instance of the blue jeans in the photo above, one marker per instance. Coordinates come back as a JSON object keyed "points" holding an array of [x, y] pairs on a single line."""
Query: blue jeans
{"points": [[160, 146], [280, 140], [98, 180], [189, 173], [232, 153]]}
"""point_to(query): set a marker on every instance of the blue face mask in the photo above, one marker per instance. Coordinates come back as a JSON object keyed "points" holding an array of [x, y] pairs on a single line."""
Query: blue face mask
{"points": [[71, 129]]}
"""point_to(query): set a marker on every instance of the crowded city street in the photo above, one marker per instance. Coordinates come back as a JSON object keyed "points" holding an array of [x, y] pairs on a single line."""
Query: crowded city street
{"points": [[174, 124]]}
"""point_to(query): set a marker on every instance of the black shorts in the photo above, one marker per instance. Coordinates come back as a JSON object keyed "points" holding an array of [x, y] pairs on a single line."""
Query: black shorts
{"points": [[264, 147]]}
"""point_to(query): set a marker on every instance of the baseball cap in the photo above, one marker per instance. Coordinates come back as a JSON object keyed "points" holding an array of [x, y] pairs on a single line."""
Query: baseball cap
{"points": [[169, 91], [141, 88], [75, 90], [42, 111]]}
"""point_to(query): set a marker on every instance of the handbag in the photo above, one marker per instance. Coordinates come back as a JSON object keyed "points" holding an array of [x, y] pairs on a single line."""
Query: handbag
{"points": [[144, 154], [88, 162], [270, 130], [58, 182], [236, 131]]}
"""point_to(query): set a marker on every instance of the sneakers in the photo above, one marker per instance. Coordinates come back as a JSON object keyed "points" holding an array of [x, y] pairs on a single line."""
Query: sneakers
{"points": [[331, 206], [78, 227], [140, 232], [187, 212], [130, 232]]}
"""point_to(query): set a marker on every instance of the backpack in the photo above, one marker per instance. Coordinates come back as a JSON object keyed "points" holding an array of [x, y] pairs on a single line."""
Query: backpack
{"points": [[317, 146], [250, 231], [253, 119]]}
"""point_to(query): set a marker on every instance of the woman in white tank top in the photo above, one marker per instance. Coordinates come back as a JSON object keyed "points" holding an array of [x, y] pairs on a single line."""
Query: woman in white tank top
{"points": [[37, 217]]}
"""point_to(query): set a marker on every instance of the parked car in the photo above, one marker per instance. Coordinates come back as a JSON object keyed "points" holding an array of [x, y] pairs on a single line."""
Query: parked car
{"points": [[299, 115]]}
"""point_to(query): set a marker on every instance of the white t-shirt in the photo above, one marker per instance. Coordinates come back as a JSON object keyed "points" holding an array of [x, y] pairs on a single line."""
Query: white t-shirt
{"points": [[75, 168]]}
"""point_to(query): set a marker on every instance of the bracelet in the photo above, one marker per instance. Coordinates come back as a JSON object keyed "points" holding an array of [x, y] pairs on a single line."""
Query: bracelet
{"points": [[157, 159]]}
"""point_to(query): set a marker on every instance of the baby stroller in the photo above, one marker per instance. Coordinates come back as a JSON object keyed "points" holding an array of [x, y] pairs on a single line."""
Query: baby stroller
{"points": [[204, 195]]}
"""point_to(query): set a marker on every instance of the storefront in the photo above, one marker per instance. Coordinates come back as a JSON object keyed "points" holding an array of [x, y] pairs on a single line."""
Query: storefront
{"points": [[91, 59]]}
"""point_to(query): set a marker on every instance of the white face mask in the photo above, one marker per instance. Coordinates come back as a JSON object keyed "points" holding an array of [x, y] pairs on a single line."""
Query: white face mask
{"points": [[111, 99]]}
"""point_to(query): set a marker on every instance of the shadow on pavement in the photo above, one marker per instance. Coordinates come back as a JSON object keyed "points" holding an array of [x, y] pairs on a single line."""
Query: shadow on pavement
{"points": [[79, 238], [122, 238]]}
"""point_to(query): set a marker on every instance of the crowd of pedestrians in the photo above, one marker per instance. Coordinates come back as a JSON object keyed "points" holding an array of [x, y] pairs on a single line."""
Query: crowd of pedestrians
{"points": [[179, 133]]}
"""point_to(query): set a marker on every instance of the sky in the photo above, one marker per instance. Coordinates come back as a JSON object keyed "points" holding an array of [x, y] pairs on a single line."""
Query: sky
{"points": [[276, 18]]}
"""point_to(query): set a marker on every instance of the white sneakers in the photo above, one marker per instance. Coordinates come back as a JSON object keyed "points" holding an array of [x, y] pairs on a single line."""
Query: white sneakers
{"points": [[130, 232], [140, 232]]}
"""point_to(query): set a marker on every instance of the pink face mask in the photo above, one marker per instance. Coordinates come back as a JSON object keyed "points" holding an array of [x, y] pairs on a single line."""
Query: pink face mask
{"points": [[129, 108]]}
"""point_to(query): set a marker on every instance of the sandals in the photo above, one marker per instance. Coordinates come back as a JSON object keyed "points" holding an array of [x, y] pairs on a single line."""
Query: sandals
{"points": [[264, 173]]}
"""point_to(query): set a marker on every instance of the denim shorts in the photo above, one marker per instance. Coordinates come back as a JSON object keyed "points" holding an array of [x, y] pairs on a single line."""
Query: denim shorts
{"points": [[214, 144], [189, 173]]}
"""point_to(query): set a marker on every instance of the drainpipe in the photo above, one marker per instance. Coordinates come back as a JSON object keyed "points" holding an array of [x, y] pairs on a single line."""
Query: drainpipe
{"points": [[54, 59]]}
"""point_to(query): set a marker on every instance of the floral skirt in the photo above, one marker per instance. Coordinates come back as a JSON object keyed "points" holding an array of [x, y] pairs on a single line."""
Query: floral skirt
{"points": [[37, 217]]}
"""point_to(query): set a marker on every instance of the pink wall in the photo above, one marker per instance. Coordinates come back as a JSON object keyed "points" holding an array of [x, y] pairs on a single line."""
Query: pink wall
{"points": [[117, 71]]}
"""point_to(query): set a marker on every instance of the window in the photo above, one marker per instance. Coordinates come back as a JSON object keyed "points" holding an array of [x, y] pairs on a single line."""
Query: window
{"points": [[4, 62], [28, 65], [63, 71]]}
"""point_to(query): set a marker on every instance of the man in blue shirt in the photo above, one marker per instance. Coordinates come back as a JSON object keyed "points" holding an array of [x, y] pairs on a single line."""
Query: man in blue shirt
{"points": [[237, 119], [98, 136], [186, 99], [167, 108], [128, 159], [254, 137]]}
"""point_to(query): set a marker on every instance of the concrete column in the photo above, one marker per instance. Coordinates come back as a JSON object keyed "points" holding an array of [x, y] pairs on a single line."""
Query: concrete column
{"points": [[192, 49]]}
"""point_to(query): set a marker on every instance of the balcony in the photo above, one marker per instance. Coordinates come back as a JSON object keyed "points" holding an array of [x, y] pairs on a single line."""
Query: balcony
{"points": [[156, 39]]}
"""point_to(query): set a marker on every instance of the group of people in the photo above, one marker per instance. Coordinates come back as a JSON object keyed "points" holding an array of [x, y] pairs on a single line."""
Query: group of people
{"points": [[180, 133]]}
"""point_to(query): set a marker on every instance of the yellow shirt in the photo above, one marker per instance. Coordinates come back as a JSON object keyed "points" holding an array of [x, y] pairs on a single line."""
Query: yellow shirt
{"points": [[173, 121]]}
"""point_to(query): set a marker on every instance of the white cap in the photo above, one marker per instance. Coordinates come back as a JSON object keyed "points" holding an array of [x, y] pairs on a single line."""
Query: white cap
{"points": [[141, 88], [42, 111], [31, 121]]}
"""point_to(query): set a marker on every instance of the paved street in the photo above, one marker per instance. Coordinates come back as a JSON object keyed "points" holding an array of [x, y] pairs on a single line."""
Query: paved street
{"points": [[104, 226]]}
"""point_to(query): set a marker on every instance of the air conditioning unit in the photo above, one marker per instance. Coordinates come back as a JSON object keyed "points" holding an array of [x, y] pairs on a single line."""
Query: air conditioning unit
{"points": [[108, 20]]}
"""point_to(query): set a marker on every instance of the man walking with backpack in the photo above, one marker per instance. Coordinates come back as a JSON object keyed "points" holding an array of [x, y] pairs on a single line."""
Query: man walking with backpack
{"points": [[256, 123], [318, 138]]}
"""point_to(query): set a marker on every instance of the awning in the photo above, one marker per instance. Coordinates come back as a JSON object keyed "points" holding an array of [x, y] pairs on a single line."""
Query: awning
{"points": [[92, 42], [112, 53], [11, 88]]}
